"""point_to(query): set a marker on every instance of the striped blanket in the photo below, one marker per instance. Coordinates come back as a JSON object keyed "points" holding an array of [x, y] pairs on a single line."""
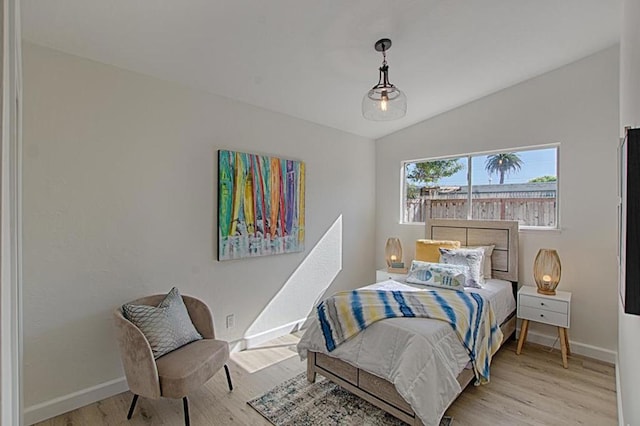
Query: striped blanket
{"points": [[345, 314]]}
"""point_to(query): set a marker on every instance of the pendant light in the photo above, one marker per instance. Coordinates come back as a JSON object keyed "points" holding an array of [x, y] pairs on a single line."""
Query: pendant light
{"points": [[384, 101]]}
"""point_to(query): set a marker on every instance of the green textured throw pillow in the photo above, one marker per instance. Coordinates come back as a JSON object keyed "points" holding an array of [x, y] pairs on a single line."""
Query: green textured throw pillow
{"points": [[167, 326]]}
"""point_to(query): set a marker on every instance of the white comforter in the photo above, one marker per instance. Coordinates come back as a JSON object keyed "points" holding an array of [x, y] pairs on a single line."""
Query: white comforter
{"points": [[421, 357]]}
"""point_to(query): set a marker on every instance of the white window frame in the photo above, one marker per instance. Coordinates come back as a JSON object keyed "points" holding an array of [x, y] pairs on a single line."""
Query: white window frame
{"points": [[469, 157], [11, 389]]}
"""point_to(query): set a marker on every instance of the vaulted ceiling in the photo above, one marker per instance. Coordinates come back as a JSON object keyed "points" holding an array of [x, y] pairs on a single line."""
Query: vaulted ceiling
{"points": [[315, 59]]}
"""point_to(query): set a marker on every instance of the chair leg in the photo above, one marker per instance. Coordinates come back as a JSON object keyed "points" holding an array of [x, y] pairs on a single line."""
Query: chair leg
{"points": [[185, 403], [226, 370], [132, 407]]}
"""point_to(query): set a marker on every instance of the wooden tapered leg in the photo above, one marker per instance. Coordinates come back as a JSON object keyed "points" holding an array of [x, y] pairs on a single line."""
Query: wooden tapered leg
{"points": [[523, 335], [563, 346], [311, 371], [566, 339]]}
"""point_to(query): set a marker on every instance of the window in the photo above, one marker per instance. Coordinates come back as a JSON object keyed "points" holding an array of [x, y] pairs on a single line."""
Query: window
{"points": [[517, 185]]}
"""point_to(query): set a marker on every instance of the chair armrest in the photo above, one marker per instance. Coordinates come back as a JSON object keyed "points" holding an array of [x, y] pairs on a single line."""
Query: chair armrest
{"points": [[137, 358], [201, 316]]}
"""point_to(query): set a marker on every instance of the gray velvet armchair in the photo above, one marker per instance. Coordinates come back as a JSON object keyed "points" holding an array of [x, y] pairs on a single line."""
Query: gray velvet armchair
{"points": [[179, 372]]}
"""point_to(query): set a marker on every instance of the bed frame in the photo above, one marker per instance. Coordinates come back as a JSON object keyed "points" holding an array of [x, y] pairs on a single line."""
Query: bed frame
{"points": [[382, 393]]}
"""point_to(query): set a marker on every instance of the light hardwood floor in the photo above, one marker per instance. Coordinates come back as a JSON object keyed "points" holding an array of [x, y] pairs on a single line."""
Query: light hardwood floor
{"points": [[530, 389]]}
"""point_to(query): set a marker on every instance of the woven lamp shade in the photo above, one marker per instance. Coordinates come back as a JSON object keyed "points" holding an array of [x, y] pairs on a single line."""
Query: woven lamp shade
{"points": [[393, 251], [546, 271]]}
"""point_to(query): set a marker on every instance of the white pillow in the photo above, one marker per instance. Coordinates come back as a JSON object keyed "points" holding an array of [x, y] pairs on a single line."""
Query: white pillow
{"points": [[471, 258], [486, 260], [438, 275]]}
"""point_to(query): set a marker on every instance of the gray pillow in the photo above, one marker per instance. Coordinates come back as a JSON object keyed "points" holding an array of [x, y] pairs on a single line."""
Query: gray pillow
{"points": [[167, 326], [487, 266], [471, 258]]}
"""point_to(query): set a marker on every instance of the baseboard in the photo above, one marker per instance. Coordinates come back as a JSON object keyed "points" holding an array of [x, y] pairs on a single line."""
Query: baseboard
{"points": [[619, 394], [63, 404], [583, 349], [259, 338], [54, 407], [48, 409], [237, 345]]}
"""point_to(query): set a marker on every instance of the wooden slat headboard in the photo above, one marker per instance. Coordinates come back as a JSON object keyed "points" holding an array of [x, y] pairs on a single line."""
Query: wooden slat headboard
{"points": [[502, 233]]}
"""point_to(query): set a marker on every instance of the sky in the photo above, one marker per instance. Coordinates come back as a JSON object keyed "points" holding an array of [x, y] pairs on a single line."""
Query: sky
{"points": [[535, 163]]}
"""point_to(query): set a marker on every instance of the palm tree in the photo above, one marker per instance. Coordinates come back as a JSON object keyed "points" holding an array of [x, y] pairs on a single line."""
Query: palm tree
{"points": [[503, 164]]}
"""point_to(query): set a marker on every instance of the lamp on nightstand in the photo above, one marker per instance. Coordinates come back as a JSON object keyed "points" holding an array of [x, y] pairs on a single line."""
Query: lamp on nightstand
{"points": [[393, 253], [546, 271]]}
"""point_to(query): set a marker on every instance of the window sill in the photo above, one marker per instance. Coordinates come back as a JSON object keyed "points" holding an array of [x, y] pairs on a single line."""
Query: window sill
{"points": [[534, 229], [523, 228]]}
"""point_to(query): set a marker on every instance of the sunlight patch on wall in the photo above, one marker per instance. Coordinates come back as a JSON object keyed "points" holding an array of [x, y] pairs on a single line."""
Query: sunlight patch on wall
{"points": [[304, 287]]}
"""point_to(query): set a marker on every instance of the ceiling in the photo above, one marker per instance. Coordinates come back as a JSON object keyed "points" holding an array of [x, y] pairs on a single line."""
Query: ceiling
{"points": [[315, 59]]}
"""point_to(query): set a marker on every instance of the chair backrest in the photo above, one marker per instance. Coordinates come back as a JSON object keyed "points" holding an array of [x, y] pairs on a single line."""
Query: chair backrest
{"points": [[201, 316], [137, 358]]}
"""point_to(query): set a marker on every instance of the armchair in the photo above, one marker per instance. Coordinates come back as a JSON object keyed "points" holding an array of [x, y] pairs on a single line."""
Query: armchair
{"points": [[179, 372]]}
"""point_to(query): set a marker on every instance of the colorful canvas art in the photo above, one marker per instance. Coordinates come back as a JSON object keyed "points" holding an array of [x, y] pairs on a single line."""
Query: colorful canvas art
{"points": [[260, 205]]}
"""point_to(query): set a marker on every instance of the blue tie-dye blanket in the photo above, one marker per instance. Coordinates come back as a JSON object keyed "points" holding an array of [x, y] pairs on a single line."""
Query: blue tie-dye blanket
{"points": [[345, 314]]}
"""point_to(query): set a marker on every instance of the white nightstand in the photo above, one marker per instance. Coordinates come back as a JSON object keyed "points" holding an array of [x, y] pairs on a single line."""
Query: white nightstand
{"points": [[383, 275], [553, 310]]}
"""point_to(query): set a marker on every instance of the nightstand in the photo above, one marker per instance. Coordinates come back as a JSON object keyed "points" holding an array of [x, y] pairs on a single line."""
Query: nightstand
{"points": [[553, 310], [383, 275]]}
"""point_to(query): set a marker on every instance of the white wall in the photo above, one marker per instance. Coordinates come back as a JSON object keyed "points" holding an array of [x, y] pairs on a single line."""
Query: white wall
{"points": [[120, 195], [577, 106], [629, 325]]}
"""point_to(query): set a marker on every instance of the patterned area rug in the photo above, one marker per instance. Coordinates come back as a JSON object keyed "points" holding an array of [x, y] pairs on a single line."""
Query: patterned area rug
{"points": [[300, 403]]}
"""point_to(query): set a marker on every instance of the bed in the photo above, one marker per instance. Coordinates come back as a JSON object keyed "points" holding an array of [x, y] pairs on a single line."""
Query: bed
{"points": [[414, 368]]}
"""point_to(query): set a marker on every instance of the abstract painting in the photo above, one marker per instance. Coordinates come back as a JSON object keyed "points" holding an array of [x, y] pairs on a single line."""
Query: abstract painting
{"points": [[260, 205]]}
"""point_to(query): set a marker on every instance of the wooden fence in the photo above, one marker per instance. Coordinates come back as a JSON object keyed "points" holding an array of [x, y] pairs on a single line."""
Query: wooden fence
{"points": [[529, 211], [532, 203]]}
